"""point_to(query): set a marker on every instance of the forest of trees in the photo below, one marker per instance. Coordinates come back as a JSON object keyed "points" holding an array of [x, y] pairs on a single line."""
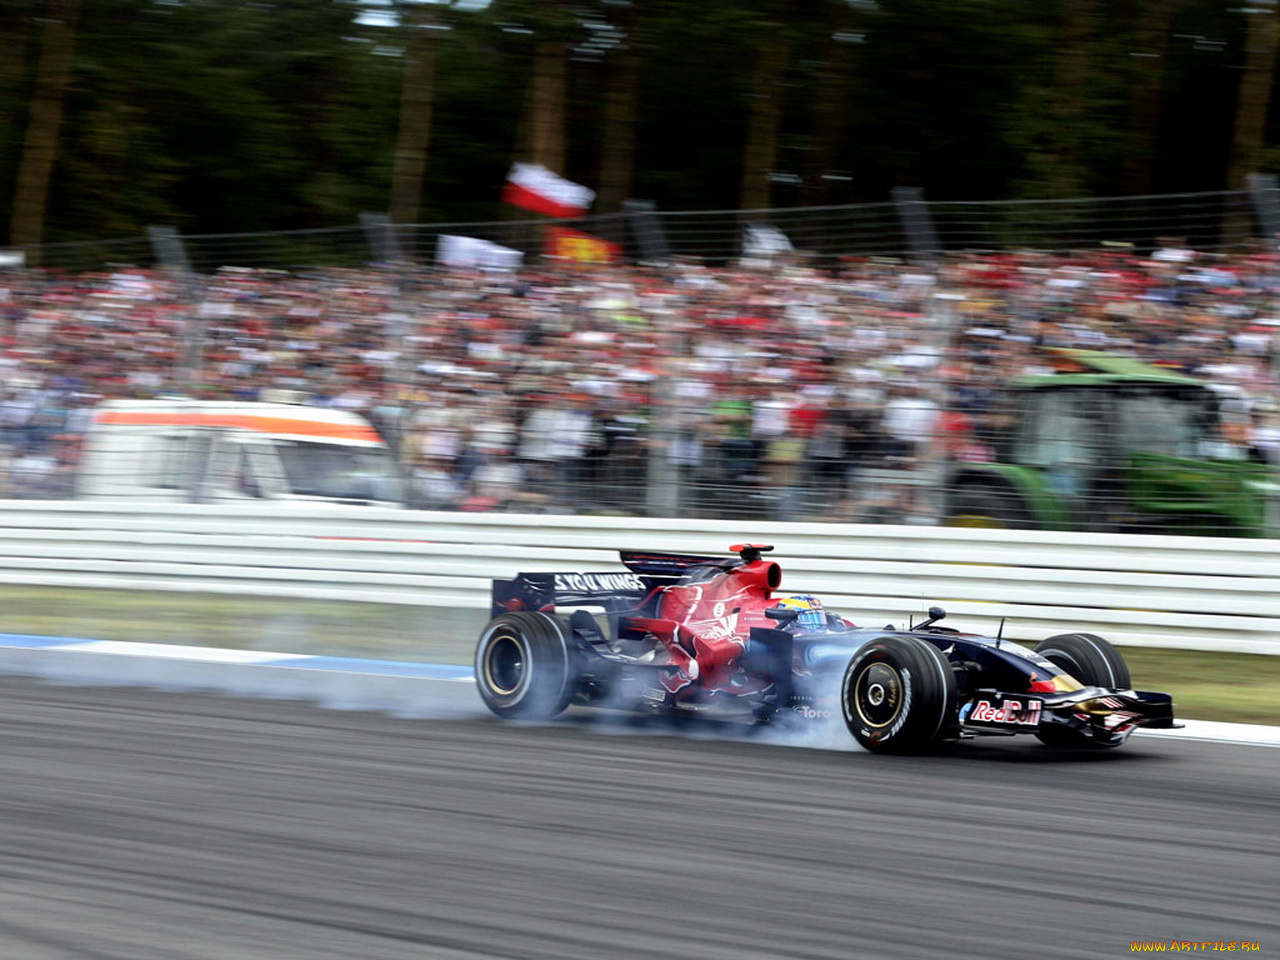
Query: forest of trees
{"points": [[249, 115]]}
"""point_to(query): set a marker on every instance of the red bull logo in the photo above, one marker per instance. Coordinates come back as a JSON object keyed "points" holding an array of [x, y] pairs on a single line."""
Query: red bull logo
{"points": [[1014, 712]]}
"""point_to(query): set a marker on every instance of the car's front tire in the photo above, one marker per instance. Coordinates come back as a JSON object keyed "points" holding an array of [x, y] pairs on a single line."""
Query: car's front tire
{"points": [[898, 695], [526, 665], [1087, 657], [1095, 663]]}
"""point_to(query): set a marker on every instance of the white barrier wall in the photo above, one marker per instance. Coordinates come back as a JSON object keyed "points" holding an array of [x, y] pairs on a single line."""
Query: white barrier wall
{"points": [[1189, 592]]}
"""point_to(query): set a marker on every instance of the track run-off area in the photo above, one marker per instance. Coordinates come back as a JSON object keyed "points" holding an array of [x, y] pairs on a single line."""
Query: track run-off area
{"points": [[333, 809]]}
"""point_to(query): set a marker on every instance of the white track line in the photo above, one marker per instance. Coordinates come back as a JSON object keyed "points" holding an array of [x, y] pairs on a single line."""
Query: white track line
{"points": [[346, 681], [1252, 734]]}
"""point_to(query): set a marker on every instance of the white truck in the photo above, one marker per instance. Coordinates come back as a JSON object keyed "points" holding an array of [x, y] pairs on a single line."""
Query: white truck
{"points": [[199, 451]]}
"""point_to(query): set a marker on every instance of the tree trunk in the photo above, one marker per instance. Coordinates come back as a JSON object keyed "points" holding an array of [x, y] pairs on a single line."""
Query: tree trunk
{"points": [[40, 146], [763, 126], [1252, 104], [13, 40], [546, 106], [1065, 174], [1148, 92], [1255, 95], [417, 94], [829, 112], [617, 153]]}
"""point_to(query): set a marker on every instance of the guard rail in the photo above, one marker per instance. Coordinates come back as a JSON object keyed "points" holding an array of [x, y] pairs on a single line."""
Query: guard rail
{"points": [[1185, 592]]}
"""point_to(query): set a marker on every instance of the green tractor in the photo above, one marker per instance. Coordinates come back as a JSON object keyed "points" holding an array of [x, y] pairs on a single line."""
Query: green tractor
{"points": [[1112, 444]]}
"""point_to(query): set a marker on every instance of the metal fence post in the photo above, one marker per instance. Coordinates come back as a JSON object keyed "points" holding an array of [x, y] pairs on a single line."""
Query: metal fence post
{"points": [[382, 238], [1264, 194], [646, 229], [171, 254], [662, 482], [168, 248], [913, 214]]}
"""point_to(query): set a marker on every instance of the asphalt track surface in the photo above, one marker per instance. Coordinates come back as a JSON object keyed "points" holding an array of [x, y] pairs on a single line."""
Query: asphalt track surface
{"points": [[144, 825]]}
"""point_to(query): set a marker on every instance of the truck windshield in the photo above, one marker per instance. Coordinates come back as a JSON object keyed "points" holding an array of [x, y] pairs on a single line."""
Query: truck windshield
{"points": [[1061, 428], [1090, 424], [1175, 423], [339, 472]]}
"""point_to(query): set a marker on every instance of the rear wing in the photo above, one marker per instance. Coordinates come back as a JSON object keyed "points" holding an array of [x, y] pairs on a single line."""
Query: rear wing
{"points": [[670, 565], [545, 591], [616, 592]]}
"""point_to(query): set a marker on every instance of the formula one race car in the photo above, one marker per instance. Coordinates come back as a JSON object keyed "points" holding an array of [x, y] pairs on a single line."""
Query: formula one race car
{"points": [[683, 634]]}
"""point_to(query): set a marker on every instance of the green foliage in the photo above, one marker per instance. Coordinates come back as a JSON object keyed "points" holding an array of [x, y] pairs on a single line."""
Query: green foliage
{"points": [[251, 115]]}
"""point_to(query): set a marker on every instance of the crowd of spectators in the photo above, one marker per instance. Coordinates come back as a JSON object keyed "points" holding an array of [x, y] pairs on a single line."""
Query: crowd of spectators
{"points": [[772, 387]]}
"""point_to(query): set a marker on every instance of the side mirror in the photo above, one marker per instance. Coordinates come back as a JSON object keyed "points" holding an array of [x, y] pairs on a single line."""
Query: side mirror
{"points": [[781, 614], [935, 614]]}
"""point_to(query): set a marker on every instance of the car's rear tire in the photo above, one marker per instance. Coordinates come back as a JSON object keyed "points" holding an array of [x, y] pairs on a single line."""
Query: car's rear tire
{"points": [[898, 695], [1095, 663], [526, 665]]}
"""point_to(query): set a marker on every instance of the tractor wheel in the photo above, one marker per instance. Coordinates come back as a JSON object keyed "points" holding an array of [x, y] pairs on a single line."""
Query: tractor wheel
{"points": [[989, 507]]}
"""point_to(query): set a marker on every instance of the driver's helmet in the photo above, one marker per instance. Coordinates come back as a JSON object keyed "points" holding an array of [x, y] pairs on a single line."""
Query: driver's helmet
{"points": [[812, 616]]}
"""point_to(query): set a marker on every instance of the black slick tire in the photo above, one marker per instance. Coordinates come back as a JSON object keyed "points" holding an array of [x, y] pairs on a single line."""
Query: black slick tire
{"points": [[1095, 663], [898, 695], [1090, 659], [526, 666]]}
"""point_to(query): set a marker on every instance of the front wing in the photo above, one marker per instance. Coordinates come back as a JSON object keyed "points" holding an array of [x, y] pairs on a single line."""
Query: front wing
{"points": [[1105, 715]]}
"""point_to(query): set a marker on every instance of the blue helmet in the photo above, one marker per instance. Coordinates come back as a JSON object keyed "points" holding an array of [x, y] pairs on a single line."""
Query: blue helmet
{"points": [[812, 615]]}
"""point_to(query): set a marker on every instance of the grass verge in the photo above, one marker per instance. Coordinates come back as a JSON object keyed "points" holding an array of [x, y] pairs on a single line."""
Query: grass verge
{"points": [[327, 627], [1241, 688], [1235, 687]]}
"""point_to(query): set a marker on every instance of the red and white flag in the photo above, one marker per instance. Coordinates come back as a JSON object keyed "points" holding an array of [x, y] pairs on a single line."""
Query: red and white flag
{"points": [[534, 187]]}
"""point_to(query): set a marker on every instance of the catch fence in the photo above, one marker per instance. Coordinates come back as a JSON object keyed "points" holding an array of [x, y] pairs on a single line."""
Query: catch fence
{"points": [[907, 226]]}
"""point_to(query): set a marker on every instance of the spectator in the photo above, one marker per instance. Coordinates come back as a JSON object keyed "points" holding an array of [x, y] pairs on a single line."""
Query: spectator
{"points": [[735, 366], [910, 421], [1266, 432], [434, 484]]}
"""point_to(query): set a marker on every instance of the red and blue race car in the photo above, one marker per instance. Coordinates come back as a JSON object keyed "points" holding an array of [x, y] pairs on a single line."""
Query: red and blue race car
{"points": [[682, 634]]}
